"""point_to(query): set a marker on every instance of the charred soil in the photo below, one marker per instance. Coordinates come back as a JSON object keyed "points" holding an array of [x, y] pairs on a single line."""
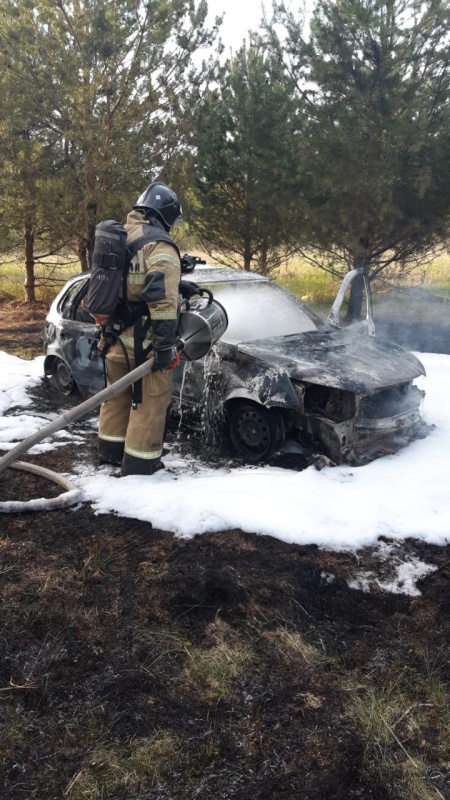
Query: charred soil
{"points": [[135, 665]]}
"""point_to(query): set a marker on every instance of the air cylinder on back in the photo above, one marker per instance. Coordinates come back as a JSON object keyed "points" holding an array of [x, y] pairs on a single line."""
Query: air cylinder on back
{"points": [[109, 260]]}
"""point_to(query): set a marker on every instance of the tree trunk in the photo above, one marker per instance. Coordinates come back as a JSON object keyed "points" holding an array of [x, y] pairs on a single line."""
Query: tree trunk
{"points": [[356, 292], [30, 295], [247, 237], [91, 208], [90, 238], [247, 254], [82, 254], [263, 259], [91, 202]]}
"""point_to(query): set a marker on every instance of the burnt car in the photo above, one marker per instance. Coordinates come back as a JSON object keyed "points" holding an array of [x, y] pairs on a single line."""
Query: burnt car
{"points": [[280, 374]]}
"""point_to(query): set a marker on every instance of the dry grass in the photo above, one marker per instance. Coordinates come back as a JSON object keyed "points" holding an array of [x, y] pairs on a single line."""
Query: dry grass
{"points": [[319, 288], [147, 760], [396, 720], [213, 671], [49, 277], [292, 646], [309, 283]]}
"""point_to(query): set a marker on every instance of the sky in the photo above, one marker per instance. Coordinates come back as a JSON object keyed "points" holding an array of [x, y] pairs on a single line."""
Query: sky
{"points": [[240, 16], [341, 508]]}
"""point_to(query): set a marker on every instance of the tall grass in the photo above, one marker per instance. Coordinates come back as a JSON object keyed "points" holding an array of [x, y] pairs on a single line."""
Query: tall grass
{"points": [[49, 277], [318, 287], [437, 275], [308, 283], [297, 276], [395, 720]]}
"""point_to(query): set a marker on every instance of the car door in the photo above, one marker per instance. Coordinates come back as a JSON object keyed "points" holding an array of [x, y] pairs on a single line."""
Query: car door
{"points": [[77, 338]]}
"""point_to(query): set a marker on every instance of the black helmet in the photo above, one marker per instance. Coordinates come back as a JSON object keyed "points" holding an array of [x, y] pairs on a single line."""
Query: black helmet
{"points": [[162, 202]]}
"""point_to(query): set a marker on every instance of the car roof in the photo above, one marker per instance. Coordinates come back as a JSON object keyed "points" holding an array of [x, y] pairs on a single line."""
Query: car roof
{"points": [[207, 274]]}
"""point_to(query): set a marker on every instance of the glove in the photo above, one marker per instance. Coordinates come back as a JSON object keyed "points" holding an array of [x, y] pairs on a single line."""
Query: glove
{"points": [[165, 340], [189, 289], [166, 359]]}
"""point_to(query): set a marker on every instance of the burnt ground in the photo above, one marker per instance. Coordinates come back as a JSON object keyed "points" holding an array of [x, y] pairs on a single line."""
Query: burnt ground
{"points": [[135, 665]]}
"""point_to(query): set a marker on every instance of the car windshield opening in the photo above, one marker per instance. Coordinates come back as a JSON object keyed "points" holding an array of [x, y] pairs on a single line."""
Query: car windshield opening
{"points": [[261, 311]]}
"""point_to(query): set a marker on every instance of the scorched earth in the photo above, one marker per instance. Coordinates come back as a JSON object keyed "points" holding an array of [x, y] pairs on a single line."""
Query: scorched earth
{"points": [[164, 648]]}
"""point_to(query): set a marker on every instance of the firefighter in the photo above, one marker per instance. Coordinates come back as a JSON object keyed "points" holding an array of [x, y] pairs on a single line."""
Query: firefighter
{"points": [[131, 428]]}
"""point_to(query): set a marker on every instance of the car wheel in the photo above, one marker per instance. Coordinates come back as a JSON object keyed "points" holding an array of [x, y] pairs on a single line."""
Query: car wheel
{"points": [[256, 431], [61, 377]]}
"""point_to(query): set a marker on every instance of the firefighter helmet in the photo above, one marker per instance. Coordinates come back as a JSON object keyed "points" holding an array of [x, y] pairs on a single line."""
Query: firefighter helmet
{"points": [[160, 201]]}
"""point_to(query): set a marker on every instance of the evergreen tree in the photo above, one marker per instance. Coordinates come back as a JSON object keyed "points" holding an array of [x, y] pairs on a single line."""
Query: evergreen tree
{"points": [[27, 186], [105, 81], [242, 165], [374, 81]]}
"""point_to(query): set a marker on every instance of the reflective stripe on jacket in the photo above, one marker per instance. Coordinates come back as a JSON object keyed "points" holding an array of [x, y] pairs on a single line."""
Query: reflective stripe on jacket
{"points": [[153, 276]]}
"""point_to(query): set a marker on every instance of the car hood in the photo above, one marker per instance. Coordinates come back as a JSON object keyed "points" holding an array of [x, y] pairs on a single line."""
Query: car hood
{"points": [[347, 359]]}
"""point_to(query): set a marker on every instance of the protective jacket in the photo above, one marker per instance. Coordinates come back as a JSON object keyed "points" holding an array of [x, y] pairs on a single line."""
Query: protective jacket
{"points": [[154, 277]]}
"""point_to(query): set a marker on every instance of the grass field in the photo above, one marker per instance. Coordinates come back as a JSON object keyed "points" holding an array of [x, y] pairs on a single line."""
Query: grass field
{"points": [[49, 278], [309, 283], [319, 288]]}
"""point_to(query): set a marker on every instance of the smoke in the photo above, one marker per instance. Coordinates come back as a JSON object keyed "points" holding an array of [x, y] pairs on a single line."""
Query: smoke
{"points": [[416, 319]]}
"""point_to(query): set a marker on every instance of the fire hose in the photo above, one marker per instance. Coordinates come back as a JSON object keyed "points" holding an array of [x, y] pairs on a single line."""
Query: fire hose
{"points": [[201, 325], [72, 495]]}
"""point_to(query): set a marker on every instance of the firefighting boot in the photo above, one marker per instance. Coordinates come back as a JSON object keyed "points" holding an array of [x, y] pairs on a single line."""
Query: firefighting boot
{"points": [[110, 452], [140, 466]]}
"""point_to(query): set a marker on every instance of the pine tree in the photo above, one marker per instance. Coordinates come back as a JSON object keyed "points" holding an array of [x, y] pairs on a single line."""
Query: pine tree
{"points": [[243, 152], [374, 82], [105, 81], [27, 185]]}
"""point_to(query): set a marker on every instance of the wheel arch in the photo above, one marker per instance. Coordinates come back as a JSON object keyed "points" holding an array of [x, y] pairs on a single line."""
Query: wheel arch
{"points": [[242, 393], [48, 365], [50, 362], [237, 395]]}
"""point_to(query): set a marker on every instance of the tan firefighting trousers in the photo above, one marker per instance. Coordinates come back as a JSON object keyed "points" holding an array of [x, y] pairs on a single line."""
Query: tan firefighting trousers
{"points": [[141, 429]]}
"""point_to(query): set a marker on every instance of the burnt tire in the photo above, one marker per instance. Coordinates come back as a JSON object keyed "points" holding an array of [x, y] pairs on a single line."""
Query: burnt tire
{"points": [[61, 377], [255, 431]]}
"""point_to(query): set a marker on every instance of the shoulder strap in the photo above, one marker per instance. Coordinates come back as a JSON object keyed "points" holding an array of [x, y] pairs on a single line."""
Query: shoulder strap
{"points": [[152, 234]]}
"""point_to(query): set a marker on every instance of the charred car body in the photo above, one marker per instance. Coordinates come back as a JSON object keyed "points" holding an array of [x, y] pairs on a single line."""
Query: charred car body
{"points": [[278, 374]]}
